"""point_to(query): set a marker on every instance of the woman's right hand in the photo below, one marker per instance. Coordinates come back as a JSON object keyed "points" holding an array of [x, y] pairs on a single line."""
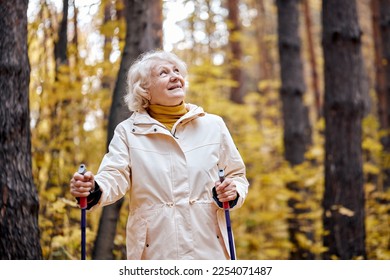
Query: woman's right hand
{"points": [[82, 185]]}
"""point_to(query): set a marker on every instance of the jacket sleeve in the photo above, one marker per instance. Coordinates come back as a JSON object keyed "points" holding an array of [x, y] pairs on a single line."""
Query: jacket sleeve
{"points": [[231, 161], [113, 177]]}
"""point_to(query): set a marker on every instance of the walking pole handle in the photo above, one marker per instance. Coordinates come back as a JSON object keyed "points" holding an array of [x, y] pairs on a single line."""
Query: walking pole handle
{"points": [[83, 200]]}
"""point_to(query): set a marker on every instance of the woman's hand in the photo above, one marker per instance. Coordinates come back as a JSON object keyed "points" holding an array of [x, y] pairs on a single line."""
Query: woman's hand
{"points": [[82, 185], [226, 191]]}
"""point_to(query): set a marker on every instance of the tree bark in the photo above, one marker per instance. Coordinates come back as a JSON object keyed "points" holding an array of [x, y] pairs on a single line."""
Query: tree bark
{"points": [[313, 60], [295, 116], [381, 30], [237, 92], [343, 200], [61, 46], [143, 33], [265, 61], [19, 203]]}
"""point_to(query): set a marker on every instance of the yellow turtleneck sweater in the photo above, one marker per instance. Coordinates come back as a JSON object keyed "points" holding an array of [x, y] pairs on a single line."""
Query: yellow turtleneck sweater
{"points": [[167, 115]]}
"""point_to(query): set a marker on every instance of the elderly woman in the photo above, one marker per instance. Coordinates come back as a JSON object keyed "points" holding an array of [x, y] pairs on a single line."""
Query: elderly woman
{"points": [[166, 156]]}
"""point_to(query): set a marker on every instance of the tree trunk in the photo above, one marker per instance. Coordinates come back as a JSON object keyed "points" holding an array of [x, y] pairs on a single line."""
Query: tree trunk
{"points": [[313, 60], [75, 39], [143, 33], [19, 203], [108, 78], [295, 117], [61, 46], [381, 29], [58, 112], [265, 61], [343, 200], [295, 114], [237, 92]]}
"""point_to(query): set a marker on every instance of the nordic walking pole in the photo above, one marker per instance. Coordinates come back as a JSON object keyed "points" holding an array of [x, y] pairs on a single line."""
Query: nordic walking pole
{"points": [[83, 206], [226, 207]]}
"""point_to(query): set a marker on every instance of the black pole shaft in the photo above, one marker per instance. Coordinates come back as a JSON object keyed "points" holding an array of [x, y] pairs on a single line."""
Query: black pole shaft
{"points": [[230, 235], [83, 206]]}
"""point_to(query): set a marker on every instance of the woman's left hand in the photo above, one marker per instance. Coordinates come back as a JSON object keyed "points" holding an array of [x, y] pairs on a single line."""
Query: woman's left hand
{"points": [[226, 191]]}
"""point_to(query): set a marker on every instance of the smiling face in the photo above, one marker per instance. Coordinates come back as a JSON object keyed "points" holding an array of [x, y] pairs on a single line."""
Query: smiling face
{"points": [[167, 84]]}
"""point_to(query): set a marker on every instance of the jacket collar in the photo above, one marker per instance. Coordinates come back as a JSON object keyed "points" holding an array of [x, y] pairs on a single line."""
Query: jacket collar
{"points": [[143, 123]]}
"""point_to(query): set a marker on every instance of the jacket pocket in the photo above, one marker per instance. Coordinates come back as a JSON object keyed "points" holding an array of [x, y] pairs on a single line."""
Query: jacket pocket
{"points": [[136, 237]]}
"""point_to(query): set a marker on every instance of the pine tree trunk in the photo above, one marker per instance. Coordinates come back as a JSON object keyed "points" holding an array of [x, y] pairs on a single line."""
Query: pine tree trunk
{"points": [[295, 114], [237, 92], [380, 74], [61, 46], [381, 29], [58, 111], [343, 200], [143, 33], [295, 117], [265, 61], [19, 203], [313, 60]]}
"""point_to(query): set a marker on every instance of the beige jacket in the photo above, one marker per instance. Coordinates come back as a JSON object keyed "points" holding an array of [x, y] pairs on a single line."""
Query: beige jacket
{"points": [[169, 176]]}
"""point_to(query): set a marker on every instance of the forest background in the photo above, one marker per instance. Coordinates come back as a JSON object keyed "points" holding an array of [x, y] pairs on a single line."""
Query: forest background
{"points": [[237, 53]]}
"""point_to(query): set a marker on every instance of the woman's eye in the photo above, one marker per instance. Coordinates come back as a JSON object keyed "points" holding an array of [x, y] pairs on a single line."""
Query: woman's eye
{"points": [[163, 72], [176, 71]]}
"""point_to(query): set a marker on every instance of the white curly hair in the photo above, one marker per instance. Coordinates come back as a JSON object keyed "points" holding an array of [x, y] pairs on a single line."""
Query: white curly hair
{"points": [[138, 77]]}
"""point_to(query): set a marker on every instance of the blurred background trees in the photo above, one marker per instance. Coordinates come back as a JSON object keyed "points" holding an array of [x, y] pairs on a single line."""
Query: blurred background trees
{"points": [[303, 91]]}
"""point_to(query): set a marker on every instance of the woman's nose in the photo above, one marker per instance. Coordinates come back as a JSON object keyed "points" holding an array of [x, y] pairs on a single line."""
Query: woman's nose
{"points": [[174, 76]]}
